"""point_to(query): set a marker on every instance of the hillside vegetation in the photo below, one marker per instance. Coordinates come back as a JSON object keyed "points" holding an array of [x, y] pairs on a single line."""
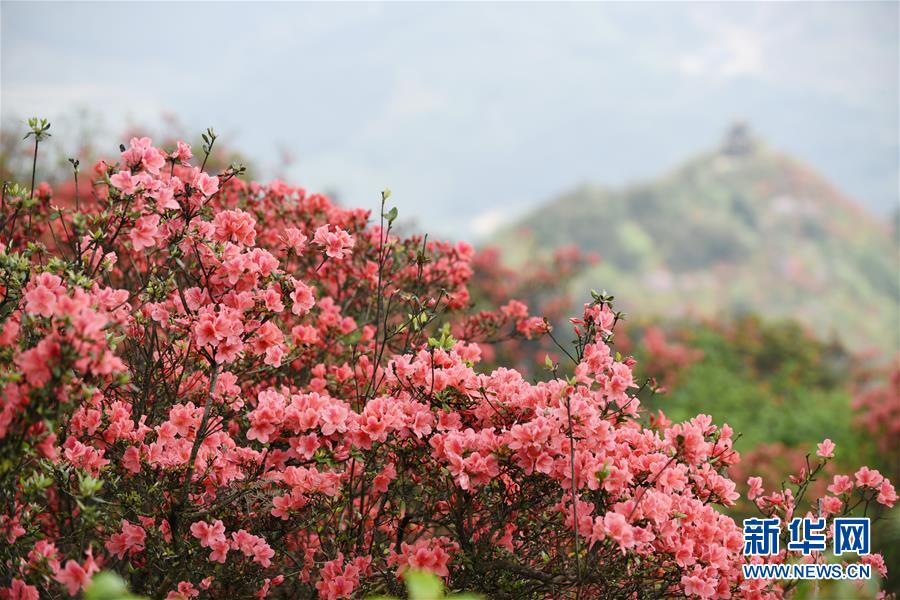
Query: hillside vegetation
{"points": [[738, 228]]}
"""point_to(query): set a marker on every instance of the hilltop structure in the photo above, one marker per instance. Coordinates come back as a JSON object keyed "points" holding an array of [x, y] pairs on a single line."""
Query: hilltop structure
{"points": [[720, 236], [738, 141]]}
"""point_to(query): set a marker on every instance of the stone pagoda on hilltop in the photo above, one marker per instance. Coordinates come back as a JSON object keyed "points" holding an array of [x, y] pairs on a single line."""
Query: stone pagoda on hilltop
{"points": [[739, 140]]}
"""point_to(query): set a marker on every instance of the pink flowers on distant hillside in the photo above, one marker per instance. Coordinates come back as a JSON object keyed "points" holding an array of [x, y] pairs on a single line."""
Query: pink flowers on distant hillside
{"points": [[226, 389], [879, 411]]}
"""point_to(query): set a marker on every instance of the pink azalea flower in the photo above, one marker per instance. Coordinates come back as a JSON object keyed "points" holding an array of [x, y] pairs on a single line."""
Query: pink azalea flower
{"points": [[75, 576], [696, 586], [841, 484], [124, 182], [131, 459], [19, 590], [887, 496], [825, 449], [617, 527], [337, 242], [303, 298], [40, 301], [208, 534], [866, 477], [182, 152], [144, 233], [294, 239], [219, 549], [206, 184], [756, 488], [184, 591]]}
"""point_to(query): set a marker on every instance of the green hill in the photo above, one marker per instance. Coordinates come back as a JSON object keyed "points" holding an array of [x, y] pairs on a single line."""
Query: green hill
{"points": [[740, 229]]}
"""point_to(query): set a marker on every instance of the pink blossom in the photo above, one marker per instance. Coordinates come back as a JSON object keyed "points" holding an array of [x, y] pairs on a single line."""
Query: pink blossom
{"points": [[272, 298], [302, 297], [829, 505], [887, 496], [866, 477], [165, 198], [75, 576], [182, 152], [756, 488], [235, 225], [840, 485], [141, 153], [131, 459], [130, 540], [208, 534], [617, 527], [294, 239], [431, 555], [145, 231], [153, 160], [825, 449], [219, 549], [206, 184], [696, 586], [337, 242], [338, 580], [184, 591], [19, 590], [124, 182], [40, 300]]}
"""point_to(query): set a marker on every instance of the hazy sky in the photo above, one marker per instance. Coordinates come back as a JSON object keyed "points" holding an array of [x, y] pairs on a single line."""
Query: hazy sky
{"points": [[473, 113]]}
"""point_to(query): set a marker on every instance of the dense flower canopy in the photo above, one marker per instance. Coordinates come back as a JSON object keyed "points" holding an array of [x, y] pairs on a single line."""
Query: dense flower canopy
{"points": [[226, 389]]}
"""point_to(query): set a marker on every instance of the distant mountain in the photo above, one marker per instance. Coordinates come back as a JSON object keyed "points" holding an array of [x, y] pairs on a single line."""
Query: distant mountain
{"points": [[740, 229]]}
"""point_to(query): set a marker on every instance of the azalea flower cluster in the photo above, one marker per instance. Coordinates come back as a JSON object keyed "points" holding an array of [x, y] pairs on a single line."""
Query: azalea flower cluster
{"points": [[542, 283], [223, 389]]}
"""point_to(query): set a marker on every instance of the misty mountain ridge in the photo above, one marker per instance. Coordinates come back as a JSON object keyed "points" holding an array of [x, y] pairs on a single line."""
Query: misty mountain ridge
{"points": [[742, 228]]}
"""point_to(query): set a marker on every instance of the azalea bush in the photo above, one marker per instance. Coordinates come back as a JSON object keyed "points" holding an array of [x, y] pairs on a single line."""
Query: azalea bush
{"points": [[878, 408], [224, 389], [772, 381], [541, 285]]}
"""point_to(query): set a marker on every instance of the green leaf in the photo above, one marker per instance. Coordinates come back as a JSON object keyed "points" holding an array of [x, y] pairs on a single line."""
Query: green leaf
{"points": [[88, 486], [391, 215], [423, 585], [107, 585]]}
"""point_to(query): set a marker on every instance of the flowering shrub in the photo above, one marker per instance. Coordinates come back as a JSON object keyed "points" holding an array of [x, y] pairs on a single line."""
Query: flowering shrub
{"points": [[773, 382], [879, 414], [222, 389], [542, 284]]}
